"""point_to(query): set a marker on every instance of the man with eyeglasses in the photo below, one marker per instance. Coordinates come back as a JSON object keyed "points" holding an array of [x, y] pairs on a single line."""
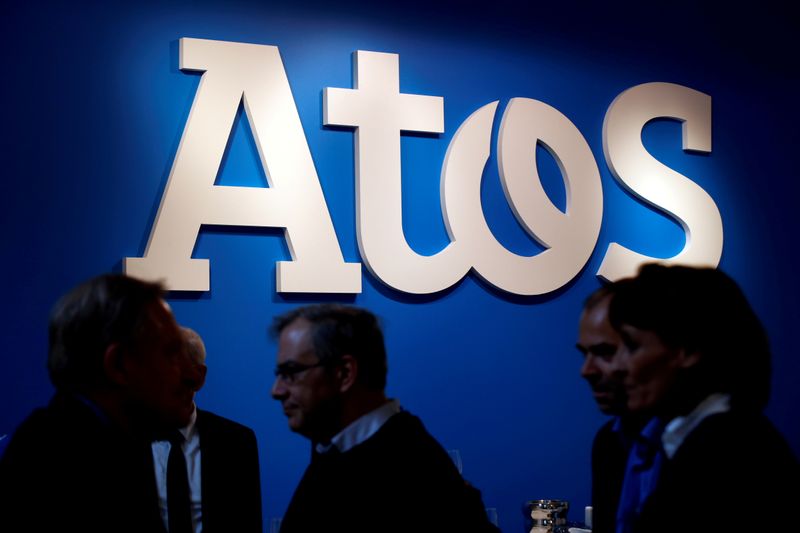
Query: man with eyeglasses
{"points": [[373, 467]]}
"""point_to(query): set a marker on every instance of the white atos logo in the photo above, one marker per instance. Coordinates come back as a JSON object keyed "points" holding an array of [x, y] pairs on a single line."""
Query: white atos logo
{"points": [[254, 74]]}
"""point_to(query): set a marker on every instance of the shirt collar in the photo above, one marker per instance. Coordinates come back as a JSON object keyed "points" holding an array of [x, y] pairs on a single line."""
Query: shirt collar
{"points": [[679, 428], [361, 429], [191, 428]]}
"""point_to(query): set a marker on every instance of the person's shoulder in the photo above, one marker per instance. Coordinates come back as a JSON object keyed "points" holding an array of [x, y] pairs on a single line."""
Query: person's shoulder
{"points": [[742, 423], [608, 434], [34, 428], [403, 424], [607, 428], [207, 420], [38, 418], [405, 434], [59, 414], [62, 421], [747, 427], [400, 431], [736, 436], [417, 455]]}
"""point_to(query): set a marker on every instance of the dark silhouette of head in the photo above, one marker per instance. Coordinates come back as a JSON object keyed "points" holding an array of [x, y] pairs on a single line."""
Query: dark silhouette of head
{"points": [[114, 341], [701, 313], [337, 330]]}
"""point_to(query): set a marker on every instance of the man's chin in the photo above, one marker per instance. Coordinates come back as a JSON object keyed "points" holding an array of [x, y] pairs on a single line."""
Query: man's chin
{"points": [[606, 404], [301, 428], [295, 424], [179, 418], [608, 409], [150, 422]]}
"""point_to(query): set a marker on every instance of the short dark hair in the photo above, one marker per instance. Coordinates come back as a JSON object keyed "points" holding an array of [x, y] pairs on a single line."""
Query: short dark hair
{"points": [[703, 310], [102, 311], [594, 299], [338, 330]]}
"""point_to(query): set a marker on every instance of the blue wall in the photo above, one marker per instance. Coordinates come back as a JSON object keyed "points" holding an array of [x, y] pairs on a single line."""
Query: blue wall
{"points": [[93, 106]]}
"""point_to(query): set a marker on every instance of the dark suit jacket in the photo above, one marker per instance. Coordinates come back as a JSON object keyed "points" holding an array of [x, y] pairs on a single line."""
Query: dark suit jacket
{"points": [[609, 459], [734, 472], [610, 451], [68, 469], [231, 479], [399, 480]]}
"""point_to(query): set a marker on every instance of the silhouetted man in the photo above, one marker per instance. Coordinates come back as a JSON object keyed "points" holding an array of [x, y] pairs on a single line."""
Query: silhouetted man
{"points": [[374, 467], [602, 346], [119, 365], [221, 463]]}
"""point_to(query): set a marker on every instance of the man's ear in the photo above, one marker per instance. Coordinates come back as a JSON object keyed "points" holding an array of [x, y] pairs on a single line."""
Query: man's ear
{"points": [[114, 364], [347, 372]]}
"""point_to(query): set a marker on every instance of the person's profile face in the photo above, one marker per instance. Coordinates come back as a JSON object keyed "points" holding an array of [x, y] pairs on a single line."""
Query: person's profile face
{"points": [[307, 391], [653, 369], [162, 378], [601, 347]]}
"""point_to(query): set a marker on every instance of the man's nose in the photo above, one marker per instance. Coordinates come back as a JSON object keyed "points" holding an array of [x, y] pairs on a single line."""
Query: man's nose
{"points": [[279, 390], [588, 368]]}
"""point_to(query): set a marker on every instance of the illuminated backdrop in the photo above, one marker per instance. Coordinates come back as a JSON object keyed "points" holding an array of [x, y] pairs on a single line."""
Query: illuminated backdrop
{"points": [[94, 106]]}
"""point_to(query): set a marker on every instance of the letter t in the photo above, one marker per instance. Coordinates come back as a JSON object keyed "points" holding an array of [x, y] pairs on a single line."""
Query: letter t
{"points": [[379, 112]]}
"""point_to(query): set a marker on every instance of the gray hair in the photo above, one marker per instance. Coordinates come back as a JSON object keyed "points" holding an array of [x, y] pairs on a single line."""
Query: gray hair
{"points": [[194, 345]]}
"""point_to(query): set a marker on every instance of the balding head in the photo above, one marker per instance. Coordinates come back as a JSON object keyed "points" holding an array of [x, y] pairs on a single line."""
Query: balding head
{"points": [[197, 350]]}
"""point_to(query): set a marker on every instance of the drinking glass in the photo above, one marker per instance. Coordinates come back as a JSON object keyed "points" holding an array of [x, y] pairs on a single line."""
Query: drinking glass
{"points": [[455, 455], [275, 525]]}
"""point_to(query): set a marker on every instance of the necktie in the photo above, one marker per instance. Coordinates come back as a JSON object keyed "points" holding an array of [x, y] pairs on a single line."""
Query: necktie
{"points": [[178, 504]]}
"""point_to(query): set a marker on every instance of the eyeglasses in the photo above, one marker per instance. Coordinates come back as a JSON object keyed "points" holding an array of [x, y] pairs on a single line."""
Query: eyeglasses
{"points": [[288, 372]]}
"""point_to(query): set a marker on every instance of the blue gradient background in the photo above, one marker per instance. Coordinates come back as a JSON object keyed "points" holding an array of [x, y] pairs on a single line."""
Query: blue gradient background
{"points": [[93, 107]]}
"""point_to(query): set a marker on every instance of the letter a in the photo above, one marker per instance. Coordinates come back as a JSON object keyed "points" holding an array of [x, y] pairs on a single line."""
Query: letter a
{"points": [[236, 72]]}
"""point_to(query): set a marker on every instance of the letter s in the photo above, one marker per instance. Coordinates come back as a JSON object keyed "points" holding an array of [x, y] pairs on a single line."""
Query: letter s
{"points": [[655, 183]]}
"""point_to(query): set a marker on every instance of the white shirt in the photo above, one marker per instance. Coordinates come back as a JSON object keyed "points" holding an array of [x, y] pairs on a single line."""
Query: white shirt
{"points": [[191, 451], [362, 428], [679, 428]]}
